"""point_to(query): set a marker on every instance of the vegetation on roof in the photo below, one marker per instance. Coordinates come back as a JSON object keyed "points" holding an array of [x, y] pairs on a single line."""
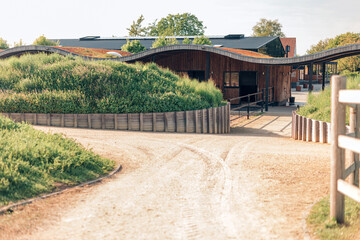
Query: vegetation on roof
{"points": [[246, 52], [93, 52], [56, 84]]}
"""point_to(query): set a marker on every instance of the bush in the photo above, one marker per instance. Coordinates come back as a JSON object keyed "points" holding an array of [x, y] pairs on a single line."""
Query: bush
{"points": [[56, 84], [318, 106], [133, 46], [42, 40], [32, 162]]}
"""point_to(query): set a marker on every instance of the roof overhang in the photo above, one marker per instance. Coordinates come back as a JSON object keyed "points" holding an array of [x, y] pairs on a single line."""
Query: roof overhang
{"points": [[320, 57]]}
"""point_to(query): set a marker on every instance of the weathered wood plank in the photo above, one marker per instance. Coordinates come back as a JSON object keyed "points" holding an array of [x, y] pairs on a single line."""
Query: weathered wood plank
{"points": [[353, 144], [349, 190], [349, 96]]}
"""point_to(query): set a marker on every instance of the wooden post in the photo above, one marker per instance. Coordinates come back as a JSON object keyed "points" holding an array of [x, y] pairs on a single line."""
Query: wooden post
{"points": [[166, 122], [311, 68], [103, 121], [215, 120], [357, 135], [48, 119], [323, 76], [337, 154], [36, 119], [303, 131], [141, 122], [210, 121], [203, 121], [62, 120], [309, 130], [75, 121], [89, 120], [300, 121], [296, 125], [115, 121], [154, 122], [128, 121], [354, 128], [186, 121]]}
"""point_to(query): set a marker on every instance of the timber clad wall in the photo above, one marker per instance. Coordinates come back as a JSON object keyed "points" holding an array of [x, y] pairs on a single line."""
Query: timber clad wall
{"points": [[212, 120], [183, 61]]}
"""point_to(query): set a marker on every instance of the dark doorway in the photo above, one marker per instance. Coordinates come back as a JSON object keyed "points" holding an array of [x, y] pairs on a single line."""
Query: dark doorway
{"points": [[247, 82], [198, 75]]}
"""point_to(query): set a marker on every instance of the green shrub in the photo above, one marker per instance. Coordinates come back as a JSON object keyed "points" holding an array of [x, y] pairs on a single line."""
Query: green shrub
{"points": [[56, 84], [32, 162], [318, 106]]}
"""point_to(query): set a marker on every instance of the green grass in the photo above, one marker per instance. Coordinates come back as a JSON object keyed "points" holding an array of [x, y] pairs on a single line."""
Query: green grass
{"points": [[33, 162], [325, 228], [57, 84], [318, 106]]}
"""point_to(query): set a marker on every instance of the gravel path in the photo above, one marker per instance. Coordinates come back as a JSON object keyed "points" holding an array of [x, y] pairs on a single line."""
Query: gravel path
{"points": [[255, 183]]}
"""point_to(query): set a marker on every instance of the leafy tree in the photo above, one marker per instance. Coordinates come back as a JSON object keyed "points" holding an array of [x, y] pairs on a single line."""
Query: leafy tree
{"points": [[202, 40], [133, 46], [3, 44], [136, 29], [185, 24], [186, 41], [42, 40], [163, 41], [20, 43], [349, 63], [320, 46], [265, 28]]}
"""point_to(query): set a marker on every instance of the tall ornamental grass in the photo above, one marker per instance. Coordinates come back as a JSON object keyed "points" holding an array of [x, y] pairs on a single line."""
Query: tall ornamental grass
{"points": [[57, 84]]}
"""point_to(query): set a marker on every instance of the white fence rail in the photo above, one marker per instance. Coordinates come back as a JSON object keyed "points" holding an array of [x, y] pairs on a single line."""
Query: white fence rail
{"points": [[340, 98]]}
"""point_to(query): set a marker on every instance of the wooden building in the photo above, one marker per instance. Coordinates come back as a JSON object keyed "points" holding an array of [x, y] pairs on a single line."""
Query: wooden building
{"points": [[234, 77]]}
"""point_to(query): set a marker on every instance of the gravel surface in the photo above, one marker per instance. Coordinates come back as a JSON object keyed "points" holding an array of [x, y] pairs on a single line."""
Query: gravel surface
{"points": [[255, 183]]}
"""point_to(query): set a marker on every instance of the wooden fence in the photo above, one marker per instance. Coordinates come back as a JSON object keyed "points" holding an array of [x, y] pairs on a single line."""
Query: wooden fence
{"points": [[310, 130], [340, 98], [212, 120]]}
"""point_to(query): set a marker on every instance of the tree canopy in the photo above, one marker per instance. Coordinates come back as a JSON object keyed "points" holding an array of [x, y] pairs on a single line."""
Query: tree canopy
{"points": [[202, 40], [133, 46], [266, 28], [3, 44], [136, 29], [42, 40], [349, 63], [185, 24]]}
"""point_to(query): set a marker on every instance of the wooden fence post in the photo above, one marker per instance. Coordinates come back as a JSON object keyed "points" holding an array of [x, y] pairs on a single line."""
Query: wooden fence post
{"points": [[154, 122], [337, 154], [354, 128]]}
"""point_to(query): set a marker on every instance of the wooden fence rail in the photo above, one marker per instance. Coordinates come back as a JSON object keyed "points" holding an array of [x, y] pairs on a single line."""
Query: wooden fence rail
{"points": [[212, 120], [341, 141]]}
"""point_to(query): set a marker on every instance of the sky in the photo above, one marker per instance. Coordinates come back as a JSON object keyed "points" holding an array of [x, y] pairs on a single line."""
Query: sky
{"points": [[308, 20]]}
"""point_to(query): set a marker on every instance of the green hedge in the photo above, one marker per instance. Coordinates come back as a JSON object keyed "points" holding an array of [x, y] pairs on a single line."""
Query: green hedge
{"points": [[33, 162], [56, 84]]}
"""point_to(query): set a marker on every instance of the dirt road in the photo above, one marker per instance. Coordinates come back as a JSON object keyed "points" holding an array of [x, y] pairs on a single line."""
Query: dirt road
{"points": [[255, 183]]}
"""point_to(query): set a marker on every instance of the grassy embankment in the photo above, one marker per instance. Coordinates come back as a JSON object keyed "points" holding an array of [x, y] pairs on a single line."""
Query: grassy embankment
{"points": [[318, 107], [33, 162], [56, 84]]}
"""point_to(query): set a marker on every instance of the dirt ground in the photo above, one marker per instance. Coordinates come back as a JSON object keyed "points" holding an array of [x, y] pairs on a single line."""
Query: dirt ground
{"points": [[255, 183]]}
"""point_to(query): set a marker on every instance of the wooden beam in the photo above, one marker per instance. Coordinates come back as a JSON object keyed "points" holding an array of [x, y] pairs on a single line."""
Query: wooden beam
{"points": [[267, 80], [349, 96], [349, 190], [349, 170], [353, 144]]}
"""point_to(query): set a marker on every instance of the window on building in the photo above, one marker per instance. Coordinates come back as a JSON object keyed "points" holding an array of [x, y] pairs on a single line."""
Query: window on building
{"points": [[231, 79]]}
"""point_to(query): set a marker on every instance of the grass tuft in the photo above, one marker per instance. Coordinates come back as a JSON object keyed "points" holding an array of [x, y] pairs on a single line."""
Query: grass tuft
{"points": [[325, 228]]}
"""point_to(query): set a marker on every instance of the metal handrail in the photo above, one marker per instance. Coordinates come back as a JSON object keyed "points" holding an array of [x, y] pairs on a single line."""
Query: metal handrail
{"points": [[253, 103]]}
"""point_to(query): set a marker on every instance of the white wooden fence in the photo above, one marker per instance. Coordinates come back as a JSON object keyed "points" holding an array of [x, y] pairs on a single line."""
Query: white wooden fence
{"points": [[340, 98]]}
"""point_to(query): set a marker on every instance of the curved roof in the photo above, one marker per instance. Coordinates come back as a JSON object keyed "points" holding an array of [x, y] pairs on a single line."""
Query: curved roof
{"points": [[324, 56]]}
